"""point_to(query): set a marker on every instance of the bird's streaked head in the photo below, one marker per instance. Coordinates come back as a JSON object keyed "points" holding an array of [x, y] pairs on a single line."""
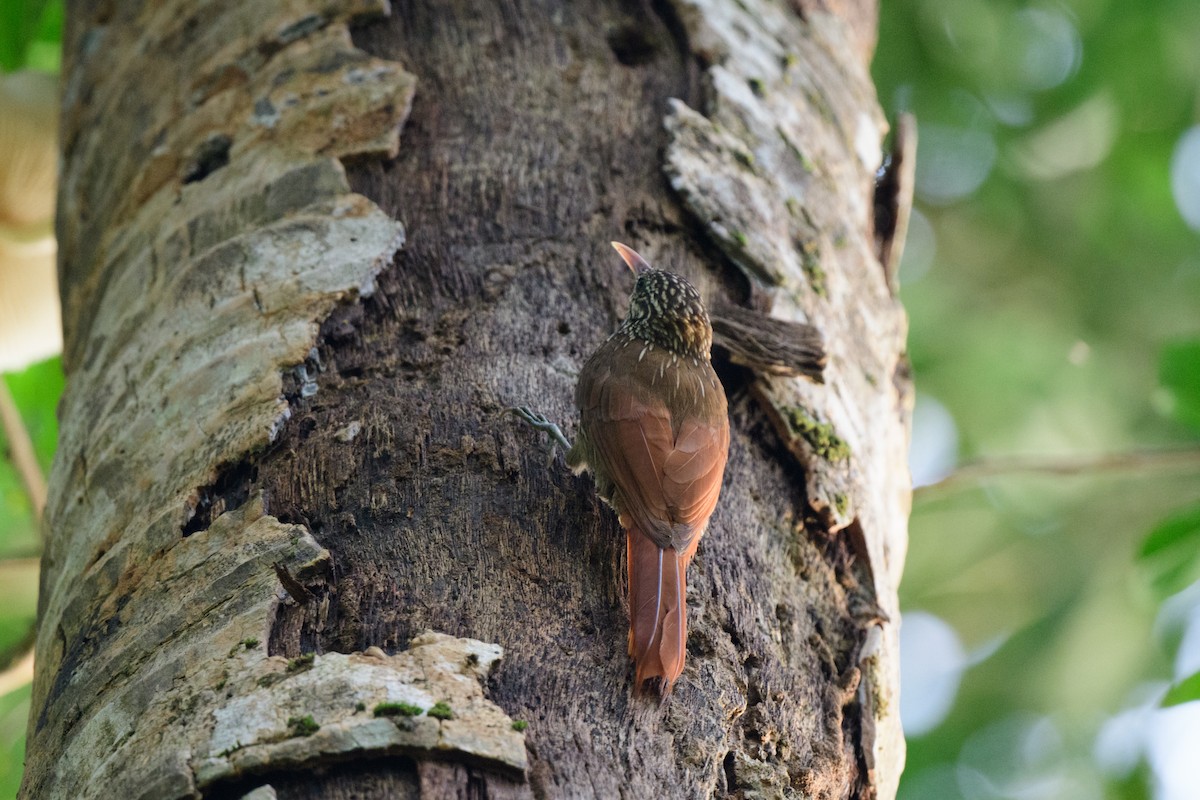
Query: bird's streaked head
{"points": [[665, 309]]}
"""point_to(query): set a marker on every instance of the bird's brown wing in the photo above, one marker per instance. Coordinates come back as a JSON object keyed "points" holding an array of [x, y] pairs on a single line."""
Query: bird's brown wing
{"points": [[666, 483], [694, 469]]}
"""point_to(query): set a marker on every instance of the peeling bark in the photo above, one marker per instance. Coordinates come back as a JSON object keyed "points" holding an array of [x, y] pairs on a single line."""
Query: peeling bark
{"points": [[285, 491]]}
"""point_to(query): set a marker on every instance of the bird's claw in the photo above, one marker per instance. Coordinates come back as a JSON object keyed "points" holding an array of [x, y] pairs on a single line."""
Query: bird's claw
{"points": [[536, 420], [532, 417]]}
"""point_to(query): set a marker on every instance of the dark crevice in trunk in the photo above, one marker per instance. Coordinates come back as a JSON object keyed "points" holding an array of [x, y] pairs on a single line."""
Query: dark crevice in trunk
{"points": [[232, 487], [376, 779]]}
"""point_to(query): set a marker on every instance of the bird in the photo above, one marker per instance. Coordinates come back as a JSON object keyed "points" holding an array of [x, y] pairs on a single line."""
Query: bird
{"points": [[654, 433]]}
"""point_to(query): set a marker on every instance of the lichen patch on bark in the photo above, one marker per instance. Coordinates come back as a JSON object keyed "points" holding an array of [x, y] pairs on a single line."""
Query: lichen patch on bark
{"points": [[251, 731]]}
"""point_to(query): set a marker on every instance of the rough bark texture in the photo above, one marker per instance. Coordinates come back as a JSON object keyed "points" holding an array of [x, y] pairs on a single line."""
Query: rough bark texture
{"points": [[277, 470]]}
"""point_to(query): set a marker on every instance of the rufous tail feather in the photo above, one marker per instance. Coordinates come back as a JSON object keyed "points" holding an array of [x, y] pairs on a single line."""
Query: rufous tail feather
{"points": [[657, 608]]}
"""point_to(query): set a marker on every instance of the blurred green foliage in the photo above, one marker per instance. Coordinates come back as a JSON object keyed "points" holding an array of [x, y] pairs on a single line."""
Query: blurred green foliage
{"points": [[1180, 375], [14, 709], [1052, 288], [1171, 553], [30, 34], [1185, 691], [30, 38], [35, 391], [1051, 283]]}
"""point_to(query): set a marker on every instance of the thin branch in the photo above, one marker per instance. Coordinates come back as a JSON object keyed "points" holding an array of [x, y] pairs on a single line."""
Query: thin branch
{"points": [[21, 448], [1071, 465]]}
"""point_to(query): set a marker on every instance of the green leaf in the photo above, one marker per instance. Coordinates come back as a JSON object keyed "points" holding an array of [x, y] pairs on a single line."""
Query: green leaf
{"points": [[1185, 691], [36, 391], [1171, 552], [1179, 372], [19, 24], [45, 51]]}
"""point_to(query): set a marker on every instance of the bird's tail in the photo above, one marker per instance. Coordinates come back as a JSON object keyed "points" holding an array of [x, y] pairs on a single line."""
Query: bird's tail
{"points": [[657, 608]]}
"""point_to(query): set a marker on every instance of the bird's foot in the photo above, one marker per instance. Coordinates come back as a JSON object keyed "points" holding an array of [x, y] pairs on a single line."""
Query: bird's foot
{"points": [[544, 425]]}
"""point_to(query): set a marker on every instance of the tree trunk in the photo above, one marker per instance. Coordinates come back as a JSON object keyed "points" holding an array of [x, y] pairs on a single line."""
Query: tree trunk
{"points": [[297, 549]]}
